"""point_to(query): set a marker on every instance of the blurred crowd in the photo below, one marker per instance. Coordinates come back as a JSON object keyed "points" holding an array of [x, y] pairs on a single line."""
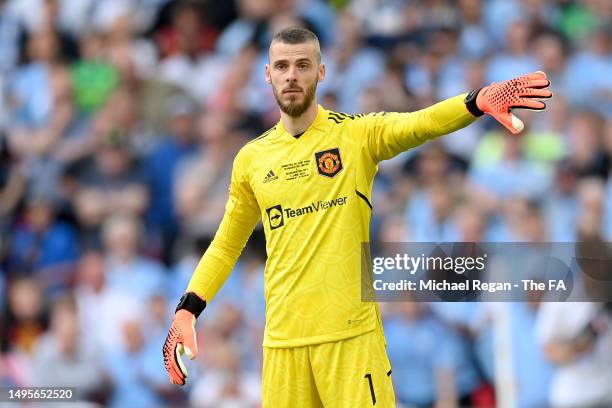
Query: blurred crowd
{"points": [[119, 121]]}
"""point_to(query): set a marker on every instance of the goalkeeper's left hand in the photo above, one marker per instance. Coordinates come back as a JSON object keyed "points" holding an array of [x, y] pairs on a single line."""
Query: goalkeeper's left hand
{"points": [[498, 100]]}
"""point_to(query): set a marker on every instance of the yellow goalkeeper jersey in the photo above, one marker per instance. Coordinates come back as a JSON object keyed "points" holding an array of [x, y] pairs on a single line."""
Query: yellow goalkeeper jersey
{"points": [[313, 196]]}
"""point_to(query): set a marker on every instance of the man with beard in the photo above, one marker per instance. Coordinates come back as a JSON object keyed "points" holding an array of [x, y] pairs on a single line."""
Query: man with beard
{"points": [[309, 179]]}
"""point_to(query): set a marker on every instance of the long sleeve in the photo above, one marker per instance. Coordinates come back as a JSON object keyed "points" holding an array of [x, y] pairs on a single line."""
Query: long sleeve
{"points": [[241, 215], [389, 134]]}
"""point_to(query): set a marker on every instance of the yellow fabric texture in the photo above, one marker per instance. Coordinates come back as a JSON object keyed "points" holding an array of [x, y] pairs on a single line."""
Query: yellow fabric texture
{"points": [[353, 372]]}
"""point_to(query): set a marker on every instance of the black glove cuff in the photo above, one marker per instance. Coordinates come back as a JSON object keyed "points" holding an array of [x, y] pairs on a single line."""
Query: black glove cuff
{"points": [[470, 103], [192, 303]]}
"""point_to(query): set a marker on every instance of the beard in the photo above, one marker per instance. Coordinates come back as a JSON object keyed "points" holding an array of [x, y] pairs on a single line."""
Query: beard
{"points": [[292, 107]]}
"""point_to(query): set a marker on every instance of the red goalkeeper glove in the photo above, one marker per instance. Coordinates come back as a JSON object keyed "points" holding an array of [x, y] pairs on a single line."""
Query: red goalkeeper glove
{"points": [[498, 100], [181, 337]]}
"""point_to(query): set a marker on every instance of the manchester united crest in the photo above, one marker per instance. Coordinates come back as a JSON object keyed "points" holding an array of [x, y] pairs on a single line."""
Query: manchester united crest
{"points": [[329, 162]]}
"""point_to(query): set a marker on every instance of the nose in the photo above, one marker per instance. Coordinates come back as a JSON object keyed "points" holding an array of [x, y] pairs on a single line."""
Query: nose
{"points": [[291, 75]]}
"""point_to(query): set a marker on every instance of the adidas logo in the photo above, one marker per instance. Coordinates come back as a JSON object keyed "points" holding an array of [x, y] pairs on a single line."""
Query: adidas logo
{"points": [[270, 177]]}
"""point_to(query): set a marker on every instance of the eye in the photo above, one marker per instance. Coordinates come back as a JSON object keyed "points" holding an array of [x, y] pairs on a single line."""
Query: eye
{"points": [[280, 66], [303, 65]]}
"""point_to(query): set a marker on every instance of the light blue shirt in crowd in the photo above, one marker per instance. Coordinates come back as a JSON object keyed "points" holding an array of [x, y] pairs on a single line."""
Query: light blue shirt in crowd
{"points": [[418, 350]]}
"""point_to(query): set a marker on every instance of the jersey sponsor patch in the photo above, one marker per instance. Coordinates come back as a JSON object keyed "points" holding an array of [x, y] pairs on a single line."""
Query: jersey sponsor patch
{"points": [[329, 162], [315, 207], [275, 216]]}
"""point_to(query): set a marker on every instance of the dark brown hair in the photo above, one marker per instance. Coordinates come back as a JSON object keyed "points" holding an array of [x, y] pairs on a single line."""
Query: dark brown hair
{"points": [[297, 35]]}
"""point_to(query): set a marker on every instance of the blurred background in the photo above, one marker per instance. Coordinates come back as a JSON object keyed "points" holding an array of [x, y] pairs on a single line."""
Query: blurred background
{"points": [[119, 121]]}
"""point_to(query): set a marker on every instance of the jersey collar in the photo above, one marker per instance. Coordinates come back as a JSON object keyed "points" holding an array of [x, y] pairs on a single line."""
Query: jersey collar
{"points": [[319, 123]]}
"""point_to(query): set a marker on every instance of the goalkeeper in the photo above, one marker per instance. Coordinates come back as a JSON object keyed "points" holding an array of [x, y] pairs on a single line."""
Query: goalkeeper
{"points": [[309, 180]]}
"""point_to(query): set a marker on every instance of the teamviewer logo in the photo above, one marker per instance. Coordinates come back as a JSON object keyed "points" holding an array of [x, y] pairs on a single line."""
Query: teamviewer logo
{"points": [[275, 216]]}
